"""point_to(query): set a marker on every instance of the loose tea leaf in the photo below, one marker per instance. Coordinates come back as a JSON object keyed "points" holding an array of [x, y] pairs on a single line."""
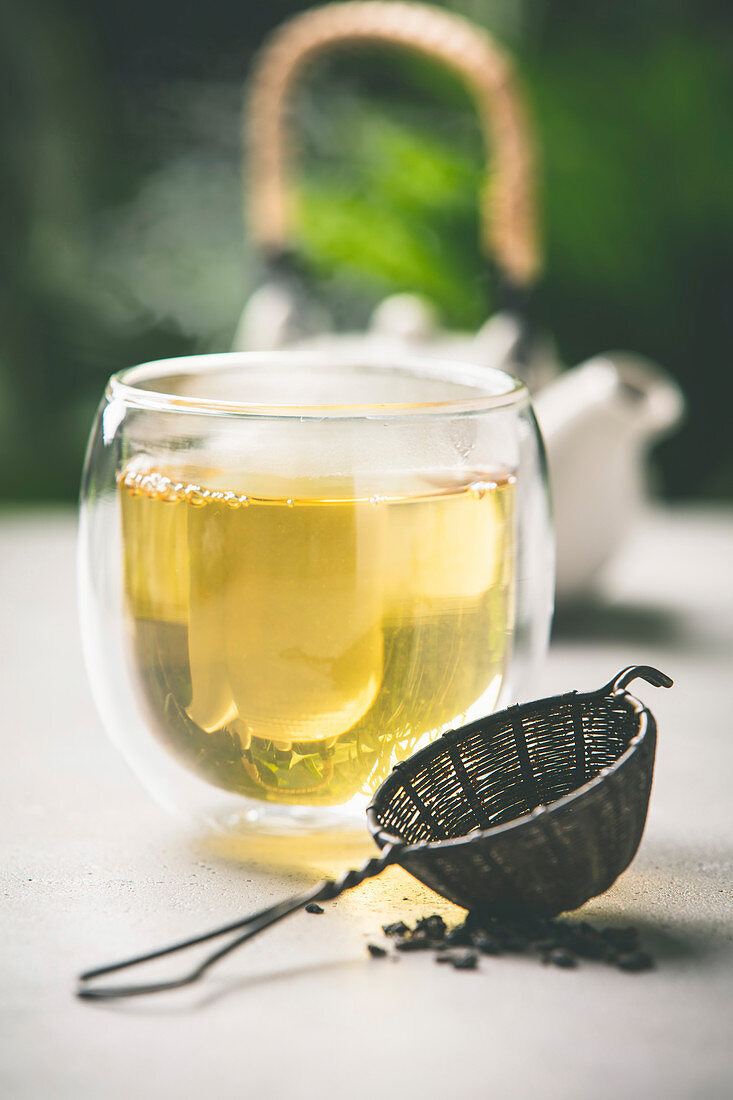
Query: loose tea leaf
{"points": [[465, 960], [398, 928], [635, 961], [434, 927], [460, 936], [416, 941], [485, 943], [563, 958]]}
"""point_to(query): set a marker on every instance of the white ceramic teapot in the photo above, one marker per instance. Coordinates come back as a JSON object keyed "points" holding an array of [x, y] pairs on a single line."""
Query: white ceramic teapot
{"points": [[598, 419]]}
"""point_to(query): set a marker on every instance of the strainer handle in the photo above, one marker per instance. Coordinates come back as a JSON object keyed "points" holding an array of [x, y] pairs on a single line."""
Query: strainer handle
{"points": [[508, 222], [633, 672], [252, 925]]}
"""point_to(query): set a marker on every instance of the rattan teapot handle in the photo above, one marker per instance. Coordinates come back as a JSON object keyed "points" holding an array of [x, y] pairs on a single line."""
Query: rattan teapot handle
{"points": [[508, 224]]}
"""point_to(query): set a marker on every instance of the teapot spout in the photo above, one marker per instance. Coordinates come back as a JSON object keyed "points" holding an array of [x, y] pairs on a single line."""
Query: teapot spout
{"points": [[627, 391], [656, 397], [598, 420]]}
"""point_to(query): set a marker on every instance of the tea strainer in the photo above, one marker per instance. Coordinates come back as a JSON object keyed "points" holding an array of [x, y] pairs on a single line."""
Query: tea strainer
{"points": [[534, 809]]}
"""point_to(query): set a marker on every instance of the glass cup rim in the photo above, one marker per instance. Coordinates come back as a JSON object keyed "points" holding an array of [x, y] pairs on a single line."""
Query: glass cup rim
{"points": [[509, 391]]}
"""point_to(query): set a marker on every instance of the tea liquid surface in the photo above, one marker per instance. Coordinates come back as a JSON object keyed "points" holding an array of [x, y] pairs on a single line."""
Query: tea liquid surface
{"points": [[294, 640]]}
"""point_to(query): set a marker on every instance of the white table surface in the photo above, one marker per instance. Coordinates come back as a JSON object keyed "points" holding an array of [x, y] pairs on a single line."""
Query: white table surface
{"points": [[92, 869]]}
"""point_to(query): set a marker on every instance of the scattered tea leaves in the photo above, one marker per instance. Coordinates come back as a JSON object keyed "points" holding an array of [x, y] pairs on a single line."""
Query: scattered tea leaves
{"points": [[313, 907], [559, 943]]}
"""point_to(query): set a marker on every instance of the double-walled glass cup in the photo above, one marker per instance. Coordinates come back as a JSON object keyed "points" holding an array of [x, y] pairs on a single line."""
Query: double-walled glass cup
{"points": [[296, 570]]}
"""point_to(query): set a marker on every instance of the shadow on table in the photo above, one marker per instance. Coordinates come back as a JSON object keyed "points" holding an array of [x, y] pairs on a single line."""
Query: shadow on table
{"points": [[604, 622], [671, 947], [668, 945], [680, 913], [593, 618], [211, 990], [310, 857], [677, 897]]}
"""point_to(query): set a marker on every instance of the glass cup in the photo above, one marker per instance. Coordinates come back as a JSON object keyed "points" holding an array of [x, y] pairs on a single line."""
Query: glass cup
{"points": [[296, 570]]}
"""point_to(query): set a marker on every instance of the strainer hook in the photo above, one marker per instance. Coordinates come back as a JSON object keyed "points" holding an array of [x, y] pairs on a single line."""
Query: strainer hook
{"points": [[632, 672]]}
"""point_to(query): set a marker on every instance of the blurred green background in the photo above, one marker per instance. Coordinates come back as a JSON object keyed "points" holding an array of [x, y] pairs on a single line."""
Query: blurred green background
{"points": [[121, 200]]}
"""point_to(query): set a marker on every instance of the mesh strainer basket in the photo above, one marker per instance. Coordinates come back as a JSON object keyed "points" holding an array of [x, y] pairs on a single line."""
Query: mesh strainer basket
{"points": [[535, 809], [538, 807]]}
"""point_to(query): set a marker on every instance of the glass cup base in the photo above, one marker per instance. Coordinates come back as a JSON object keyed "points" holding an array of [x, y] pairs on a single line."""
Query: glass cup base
{"points": [[270, 819]]}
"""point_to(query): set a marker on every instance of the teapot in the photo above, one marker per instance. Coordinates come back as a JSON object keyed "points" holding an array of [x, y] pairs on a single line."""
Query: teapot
{"points": [[599, 418]]}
